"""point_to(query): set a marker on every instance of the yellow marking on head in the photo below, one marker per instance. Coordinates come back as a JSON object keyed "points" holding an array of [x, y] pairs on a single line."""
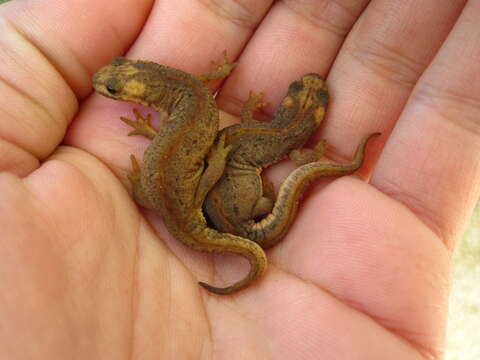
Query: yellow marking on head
{"points": [[305, 99], [319, 114], [313, 82], [134, 88], [287, 102]]}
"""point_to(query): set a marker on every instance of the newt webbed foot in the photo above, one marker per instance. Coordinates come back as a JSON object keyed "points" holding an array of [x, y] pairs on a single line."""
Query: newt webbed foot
{"points": [[254, 103], [134, 175], [221, 70], [305, 155], [141, 125]]}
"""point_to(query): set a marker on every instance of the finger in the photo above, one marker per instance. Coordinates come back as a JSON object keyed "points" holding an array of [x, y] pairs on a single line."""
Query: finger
{"points": [[378, 65], [48, 51], [396, 265], [370, 251], [184, 34], [431, 161], [296, 37], [190, 34], [373, 255], [371, 77]]}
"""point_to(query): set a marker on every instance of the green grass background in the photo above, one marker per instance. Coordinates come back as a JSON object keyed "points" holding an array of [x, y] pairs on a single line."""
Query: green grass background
{"points": [[464, 312]]}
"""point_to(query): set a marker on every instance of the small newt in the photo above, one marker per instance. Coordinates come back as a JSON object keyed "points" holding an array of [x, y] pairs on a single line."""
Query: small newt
{"points": [[242, 195], [174, 178]]}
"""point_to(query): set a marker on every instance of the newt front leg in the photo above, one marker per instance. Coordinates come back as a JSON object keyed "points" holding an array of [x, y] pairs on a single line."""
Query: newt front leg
{"points": [[242, 195], [173, 178]]}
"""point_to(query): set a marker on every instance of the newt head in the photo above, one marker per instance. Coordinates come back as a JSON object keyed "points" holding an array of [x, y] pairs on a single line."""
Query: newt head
{"points": [[124, 79], [310, 94]]}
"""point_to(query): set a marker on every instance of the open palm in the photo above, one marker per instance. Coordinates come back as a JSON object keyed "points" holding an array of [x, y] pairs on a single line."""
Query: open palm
{"points": [[362, 274]]}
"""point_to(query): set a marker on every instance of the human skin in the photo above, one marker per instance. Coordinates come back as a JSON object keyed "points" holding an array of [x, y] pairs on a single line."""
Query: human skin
{"points": [[363, 272]]}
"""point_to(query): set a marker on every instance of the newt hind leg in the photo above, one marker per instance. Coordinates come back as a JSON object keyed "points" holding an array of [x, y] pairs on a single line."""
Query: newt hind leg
{"points": [[137, 189], [304, 155], [221, 71], [254, 103], [216, 160], [265, 203]]}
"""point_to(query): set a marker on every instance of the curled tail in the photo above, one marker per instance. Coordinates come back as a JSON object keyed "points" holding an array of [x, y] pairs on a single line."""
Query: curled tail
{"points": [[228, 243], [270, 230]]}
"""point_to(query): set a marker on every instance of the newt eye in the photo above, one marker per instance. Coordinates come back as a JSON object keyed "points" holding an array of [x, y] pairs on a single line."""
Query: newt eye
{"points": [[112, 90], [113, 86], [322, 95]]}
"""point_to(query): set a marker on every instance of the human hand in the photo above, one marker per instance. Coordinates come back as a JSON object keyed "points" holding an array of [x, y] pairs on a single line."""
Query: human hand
{"points": [[363, 273]]}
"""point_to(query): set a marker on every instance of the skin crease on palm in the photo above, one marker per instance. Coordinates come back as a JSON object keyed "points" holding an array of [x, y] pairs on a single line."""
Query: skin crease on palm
{"points": [[363, 272]]}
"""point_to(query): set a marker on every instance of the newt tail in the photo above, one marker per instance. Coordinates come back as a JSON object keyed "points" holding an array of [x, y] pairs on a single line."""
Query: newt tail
{"points": [[236, 245], [174, 177], [270, 230]]}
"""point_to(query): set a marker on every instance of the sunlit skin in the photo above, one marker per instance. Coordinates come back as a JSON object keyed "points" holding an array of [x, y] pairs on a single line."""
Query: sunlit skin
{"points": [[364, 270]]}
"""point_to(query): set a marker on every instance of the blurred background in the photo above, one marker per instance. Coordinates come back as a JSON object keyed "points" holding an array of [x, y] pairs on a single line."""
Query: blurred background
{"points": [[463, 333]]}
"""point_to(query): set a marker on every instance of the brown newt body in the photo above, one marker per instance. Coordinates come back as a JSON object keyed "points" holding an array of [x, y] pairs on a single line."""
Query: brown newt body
{"points": [[173, 179], [241, 195]]}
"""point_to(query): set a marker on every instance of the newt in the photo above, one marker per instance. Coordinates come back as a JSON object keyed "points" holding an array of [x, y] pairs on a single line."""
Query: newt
{"points": [[243, 202], [184, 159]]}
